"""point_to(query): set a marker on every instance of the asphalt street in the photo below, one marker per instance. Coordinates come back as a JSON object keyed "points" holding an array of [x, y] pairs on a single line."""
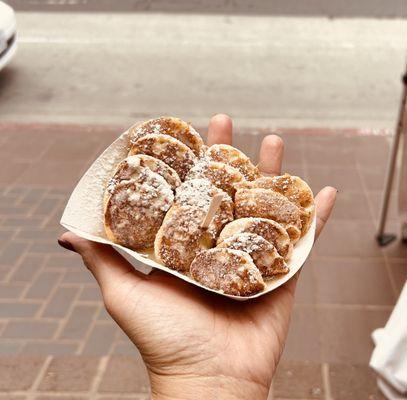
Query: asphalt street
{"points": [[264, 70]]}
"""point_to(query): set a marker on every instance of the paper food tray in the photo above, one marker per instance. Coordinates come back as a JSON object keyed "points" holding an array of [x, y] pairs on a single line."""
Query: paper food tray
{"points": [[83, 215]]}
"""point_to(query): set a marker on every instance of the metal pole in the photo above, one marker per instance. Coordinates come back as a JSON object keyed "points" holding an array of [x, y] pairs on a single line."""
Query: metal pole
{"points": [[385, 238]]}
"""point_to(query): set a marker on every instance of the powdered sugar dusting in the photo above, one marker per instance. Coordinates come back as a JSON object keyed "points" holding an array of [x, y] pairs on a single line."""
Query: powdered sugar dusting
{"points": [[136, 207], [267, 228], [248, 242], [83, 212], [234, 157], [227, 270], [266, 203], [112, 185], [221, 175], [167, 149], [170, 126], [263, 253], [181, 236], [196, 193]]}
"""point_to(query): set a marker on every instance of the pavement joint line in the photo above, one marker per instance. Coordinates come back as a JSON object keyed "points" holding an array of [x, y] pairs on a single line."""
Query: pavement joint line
{"points": [[396, 259], [36, 253], [79, 394], [249, 125], [65, 319], [3, 328], [23, 294], [365, 192], [75, 285], [20, 342], [62, 341], [39, 240], [271, 392], [99, 374], [23, 301], [20, 257], [51, 216], [325, 381], [89, 303], [47, 300], [42, 265], [110, 351], [119, 337], [347, 258], [91, 326], [39, 378], [368, 307], [391, 277], [106, 322], [8, 276], [36, 205], [372, 307]]}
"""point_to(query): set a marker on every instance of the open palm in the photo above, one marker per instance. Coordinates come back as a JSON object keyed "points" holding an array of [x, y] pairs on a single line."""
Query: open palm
{"points": [[197, 344]]}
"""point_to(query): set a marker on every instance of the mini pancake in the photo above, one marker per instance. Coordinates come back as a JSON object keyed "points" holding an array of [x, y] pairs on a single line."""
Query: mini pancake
{"points": [[229, 271], [167, 149], [295, 189], [171, 126], [221, 175], [135, 208], [263, 253], [266, 203], [198, 193], [229, 155], [129, 166], [270, 230], [181, 236]]}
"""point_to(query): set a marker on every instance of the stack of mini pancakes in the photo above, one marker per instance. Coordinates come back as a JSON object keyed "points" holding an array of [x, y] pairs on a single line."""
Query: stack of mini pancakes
{"points": [[159, 196]]}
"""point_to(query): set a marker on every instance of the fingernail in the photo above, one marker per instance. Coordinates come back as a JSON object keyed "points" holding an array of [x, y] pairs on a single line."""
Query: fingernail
{"points": [[65, 245]]}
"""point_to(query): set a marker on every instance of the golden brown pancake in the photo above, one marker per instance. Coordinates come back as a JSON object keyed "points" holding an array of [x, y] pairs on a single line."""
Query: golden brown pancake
{"points": [[266, 203], [135, 208], [294, 188], [221, 175], [171, 126], [270, 230], [167, 149], [229, 271], [181, 235], [263, 253], [229, 155]]}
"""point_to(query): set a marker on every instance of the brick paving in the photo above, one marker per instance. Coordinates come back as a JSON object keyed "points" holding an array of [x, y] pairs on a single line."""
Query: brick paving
{"points": [[56, 340]]}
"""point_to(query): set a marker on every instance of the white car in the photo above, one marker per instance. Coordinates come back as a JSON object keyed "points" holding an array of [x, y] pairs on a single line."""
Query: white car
{"points": [[8, 34]]}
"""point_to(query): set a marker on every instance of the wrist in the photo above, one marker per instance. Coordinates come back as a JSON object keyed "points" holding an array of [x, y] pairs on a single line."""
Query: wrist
{"points": [[205, 387]]}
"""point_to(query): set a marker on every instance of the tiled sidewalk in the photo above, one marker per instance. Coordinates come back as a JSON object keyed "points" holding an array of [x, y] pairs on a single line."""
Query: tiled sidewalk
{"points": [[56, 340]]}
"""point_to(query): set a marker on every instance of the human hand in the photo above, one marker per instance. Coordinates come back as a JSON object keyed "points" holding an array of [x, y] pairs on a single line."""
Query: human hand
{"points": [[197, 344]]}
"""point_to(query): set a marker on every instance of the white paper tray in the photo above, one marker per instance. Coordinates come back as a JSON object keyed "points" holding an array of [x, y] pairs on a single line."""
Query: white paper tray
{"points": [[83, 215]]}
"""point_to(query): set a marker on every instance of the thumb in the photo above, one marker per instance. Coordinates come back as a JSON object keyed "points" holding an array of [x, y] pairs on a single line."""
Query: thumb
{"points": [[105, 264]]}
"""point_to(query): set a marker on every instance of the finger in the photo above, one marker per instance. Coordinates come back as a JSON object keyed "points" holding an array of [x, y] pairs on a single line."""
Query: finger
{"points": [[220, 130], [324, 203], [271, 155], [106, 265]]}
